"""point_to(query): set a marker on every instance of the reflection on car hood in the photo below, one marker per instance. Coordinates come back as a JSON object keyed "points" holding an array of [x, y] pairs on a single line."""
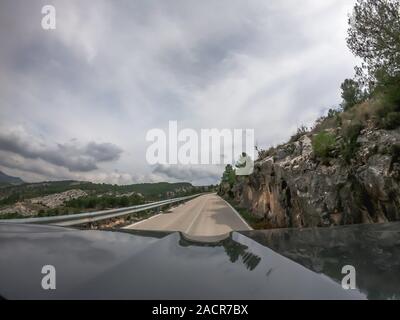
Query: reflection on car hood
{"points": [[155, 265], [373, 250]]}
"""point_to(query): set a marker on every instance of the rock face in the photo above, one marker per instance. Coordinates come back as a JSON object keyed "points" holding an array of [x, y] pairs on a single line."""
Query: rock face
{"points": [[291, 188], [58, 199]]}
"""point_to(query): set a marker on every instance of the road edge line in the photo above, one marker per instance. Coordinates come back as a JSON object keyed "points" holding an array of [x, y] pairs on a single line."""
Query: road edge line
{"points": [[136, 223], [238, 214]]}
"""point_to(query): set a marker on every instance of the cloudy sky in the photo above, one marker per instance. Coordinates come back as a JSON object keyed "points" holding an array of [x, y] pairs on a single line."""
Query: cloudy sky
{"points": [[77, 102]]}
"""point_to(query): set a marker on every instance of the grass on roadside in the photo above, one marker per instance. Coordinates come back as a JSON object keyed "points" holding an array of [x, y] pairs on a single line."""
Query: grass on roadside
{"points": [[253, 221]]}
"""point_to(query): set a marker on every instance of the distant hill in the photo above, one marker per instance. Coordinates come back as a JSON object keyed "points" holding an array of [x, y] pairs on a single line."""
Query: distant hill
{"points": [[7, 180], [151, 191]]}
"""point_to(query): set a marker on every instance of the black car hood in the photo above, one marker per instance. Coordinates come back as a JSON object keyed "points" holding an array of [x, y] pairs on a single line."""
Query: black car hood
{"points": [[156, 265]]}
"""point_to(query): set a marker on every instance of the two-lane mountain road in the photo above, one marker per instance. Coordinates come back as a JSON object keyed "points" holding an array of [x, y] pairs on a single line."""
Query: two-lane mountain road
{"points": [[205, 216]]}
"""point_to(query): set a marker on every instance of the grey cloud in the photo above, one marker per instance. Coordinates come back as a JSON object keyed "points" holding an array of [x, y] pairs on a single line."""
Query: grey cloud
{"points": [[114, 69], [32, 170], [103, 152], [67, 155], [28, 167], [195, 174]]}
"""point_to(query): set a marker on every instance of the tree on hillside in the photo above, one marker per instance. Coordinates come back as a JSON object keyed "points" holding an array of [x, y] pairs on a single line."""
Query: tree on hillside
{"points": [[229, 175], [352, 94], [374, 36]]}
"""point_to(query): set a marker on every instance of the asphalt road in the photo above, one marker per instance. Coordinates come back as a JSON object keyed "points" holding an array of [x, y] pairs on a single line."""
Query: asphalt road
{"points": [[205, 216]]}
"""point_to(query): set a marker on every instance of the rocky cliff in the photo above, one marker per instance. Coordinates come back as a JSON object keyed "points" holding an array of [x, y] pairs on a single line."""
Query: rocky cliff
{"points": [[291, 187]]}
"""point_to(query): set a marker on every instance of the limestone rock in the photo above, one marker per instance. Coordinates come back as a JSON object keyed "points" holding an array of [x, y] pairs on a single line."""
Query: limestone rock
{"points": [[290, 188]]}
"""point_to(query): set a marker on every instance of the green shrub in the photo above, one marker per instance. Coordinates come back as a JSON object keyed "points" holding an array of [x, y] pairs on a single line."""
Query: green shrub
{"points": [[300, 132], [349, 145], [331, 121], [352, 94], [11, 215], [323, 143], [229, 175], [389, 90], [395, 152], [103, 202], [11, 199], [352, 131], [262, 154], [391, 121]]}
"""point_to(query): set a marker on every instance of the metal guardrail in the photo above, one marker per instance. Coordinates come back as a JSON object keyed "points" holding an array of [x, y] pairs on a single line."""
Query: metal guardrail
{"points": [[82, 218]]}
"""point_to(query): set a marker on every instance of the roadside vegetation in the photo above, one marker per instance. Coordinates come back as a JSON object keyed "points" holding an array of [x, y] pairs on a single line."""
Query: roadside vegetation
{"points": [[255, 222], [104, 202], [323, 144]]}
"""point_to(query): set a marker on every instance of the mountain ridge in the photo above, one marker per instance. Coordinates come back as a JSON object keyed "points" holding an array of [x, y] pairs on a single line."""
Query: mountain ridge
{"points": [[5, 179]]}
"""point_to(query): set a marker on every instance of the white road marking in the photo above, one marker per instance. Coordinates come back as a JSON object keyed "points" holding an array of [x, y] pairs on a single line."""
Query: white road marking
{"points": [[238, 214], [195, 218], [136, 223]]}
